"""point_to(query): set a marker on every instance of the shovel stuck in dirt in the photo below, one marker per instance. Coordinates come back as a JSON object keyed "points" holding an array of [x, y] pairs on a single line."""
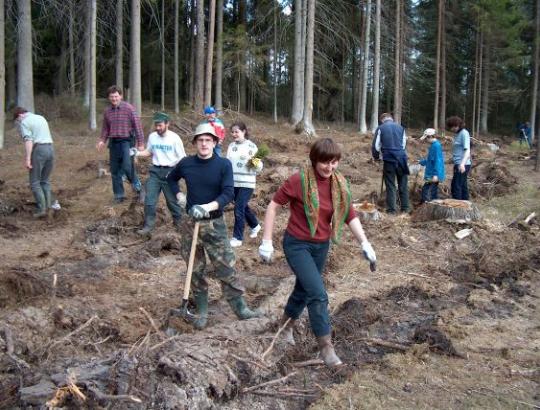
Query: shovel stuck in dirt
{"points": [[183, 310]]}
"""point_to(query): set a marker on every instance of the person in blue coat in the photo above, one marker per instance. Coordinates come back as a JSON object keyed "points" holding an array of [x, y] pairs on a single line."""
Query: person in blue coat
{"points": [[434, 163]]}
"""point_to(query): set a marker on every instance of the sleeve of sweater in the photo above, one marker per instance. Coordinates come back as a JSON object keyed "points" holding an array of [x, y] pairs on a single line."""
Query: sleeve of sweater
{"points": [[227, 184], [439, 163]]}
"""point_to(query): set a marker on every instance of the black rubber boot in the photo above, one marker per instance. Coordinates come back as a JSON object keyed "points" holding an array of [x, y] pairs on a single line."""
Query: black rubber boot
{"points": [[201, 300], [240, 308]]}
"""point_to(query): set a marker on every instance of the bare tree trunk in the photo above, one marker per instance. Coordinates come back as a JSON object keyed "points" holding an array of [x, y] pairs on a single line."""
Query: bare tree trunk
{"points": [[442, 113], [92, 33], [475, 85], [162, 38], [534, 100], [365, 70], [376, 68], [199, 59], [176, 56], [307, 120], [360, 70], [87, 62], [119, 58], [438, 68], [210, 54], [25, 83], [480, 68], [298, 73], [274, 61], [485, 94], [192, 52], [11, 82], [397, 65], [219, 57], [71, 46], [135, 56], [2, 74]]}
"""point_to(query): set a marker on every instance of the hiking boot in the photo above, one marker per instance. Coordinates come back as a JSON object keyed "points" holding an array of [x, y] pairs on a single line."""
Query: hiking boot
{"points": [[254, 231], [40, 213], [235, 243], [201, 300], [119, 200], [287, 333], [328, 354], [241, 310], [145, 231]]}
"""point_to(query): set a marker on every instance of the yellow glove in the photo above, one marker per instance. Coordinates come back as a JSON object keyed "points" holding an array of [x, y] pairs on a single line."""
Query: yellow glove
{"points": [[256, 162]]}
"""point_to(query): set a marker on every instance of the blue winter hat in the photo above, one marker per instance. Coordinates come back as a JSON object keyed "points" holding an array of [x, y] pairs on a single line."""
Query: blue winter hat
{"points": [[209, 110]]}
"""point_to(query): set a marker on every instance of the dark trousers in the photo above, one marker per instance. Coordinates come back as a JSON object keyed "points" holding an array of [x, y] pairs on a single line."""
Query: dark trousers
{"points": [[122, 164], [459, 187], [307, 260], [242, 212], [156, 183], [391, 173], [430, 191], [42, 161]]}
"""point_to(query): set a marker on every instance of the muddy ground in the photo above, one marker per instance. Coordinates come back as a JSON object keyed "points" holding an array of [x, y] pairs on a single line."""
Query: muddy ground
{"points": [[442, 323]]}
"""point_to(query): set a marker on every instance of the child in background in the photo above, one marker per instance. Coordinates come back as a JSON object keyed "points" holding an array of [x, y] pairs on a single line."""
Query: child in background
{"points": [[211, 118], [434, 163]]}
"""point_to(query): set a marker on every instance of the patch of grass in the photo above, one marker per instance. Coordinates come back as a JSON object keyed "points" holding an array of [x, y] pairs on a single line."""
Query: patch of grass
{"points": [[515, 146], [520, 204]]}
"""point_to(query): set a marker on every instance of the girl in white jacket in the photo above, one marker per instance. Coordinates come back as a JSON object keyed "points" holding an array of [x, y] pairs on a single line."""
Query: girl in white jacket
{"points": [[240, 152]]}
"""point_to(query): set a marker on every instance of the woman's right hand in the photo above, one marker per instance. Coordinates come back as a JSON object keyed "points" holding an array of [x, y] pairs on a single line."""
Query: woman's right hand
{"points": [[266, 250]]}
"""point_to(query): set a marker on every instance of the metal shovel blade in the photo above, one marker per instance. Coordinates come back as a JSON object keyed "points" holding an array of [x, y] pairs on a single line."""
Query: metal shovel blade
{"points": [[183, 312]]}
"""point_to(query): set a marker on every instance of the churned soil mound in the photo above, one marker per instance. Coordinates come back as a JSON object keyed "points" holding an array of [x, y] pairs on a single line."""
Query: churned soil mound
{"points": [[492, 178]]}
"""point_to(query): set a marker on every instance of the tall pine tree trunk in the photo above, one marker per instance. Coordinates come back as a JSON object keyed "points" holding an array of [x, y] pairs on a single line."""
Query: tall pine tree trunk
{"points": [[199, 59], [87, 62], [92, 33], [2, 73], [442, 112], [119, 57], [71, 47], [376, 68], [480, 71], [299, 65], [162, 38], [274, 62], [365, 70], [536, 72], [176, 56], [397, 65], [485, 92], [438, 68], [475, 85], [192, 50], [25, 82], [210, 54], [307, 120], [219, 56], [135, 56]]}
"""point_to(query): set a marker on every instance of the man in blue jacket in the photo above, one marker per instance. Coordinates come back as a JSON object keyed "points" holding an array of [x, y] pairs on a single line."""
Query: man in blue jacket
{"points": [[434, 163], [210, 187], [390, 140]]}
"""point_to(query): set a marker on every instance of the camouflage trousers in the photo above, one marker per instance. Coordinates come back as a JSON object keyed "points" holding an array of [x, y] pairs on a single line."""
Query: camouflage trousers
{"points": [[214, 244]]}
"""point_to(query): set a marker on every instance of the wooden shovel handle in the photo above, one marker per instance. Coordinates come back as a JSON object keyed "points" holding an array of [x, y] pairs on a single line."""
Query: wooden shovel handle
{"points": [[187, 285]]}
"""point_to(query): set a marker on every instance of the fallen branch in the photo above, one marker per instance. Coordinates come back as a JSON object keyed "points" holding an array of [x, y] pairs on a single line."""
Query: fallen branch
{"points": [[531, 216], [385, 343], [163, 342], [69, 335], [274, 339], [152, 323], [253, 362], [111, 397], [285, 394], [312, 362], [269, 383]]}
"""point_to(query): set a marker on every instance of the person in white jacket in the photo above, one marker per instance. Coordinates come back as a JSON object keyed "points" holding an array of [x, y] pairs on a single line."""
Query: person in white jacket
{"points": [[241, 153]]}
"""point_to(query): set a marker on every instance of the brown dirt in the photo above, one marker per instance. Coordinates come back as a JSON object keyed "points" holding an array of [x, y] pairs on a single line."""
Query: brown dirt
{"points": [[443, 323]]}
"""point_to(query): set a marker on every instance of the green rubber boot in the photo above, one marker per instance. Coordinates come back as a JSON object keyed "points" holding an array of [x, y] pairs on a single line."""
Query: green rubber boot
{"points": [[240, 308], [201, 300], [41, 202]]}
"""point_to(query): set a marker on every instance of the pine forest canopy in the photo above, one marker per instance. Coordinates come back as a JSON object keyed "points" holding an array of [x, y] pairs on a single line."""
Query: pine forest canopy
{"points": [[476, 58]]}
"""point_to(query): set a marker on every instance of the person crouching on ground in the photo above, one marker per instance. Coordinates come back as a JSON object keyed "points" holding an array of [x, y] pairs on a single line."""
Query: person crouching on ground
{"points": [[245, 170], [319, 200], [434, 163], [461, 157], [166, 149], [209, 182]]}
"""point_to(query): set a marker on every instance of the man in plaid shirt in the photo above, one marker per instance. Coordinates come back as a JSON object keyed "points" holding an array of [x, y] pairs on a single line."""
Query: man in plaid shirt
{"points": [[120, 122]]}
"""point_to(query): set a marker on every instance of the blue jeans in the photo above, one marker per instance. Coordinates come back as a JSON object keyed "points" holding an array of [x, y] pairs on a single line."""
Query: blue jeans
{"points": [[307, 260], [430, 191], [42, 160], [391, 173], [459, 187], [157, 182], [242, 212], [121, 163]]}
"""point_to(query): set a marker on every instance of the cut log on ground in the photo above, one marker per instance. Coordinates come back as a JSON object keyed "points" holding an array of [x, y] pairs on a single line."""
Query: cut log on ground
{"points": [[451, 209], [367, 211]]}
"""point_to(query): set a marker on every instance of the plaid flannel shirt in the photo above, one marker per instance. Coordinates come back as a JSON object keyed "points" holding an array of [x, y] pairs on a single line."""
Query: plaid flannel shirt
{"points": [[118, 122]]}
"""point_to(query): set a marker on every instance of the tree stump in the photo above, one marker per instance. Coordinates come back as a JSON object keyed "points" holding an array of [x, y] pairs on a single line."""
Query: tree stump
{"points": [[449, 209], [367, 211]]}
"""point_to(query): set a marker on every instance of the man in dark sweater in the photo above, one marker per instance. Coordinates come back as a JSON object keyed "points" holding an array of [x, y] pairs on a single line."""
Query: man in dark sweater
{"points": [[390, 140], [209, 182]]}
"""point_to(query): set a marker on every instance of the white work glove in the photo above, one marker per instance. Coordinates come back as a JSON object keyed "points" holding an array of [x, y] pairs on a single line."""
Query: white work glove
{"points": [[266, 250], [133, 152], [199, 211], [369, 254], [181, 199]]}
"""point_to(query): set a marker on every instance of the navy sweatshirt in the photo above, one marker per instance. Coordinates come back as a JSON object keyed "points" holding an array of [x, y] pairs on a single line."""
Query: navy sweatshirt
{"points": [[206, 180]]}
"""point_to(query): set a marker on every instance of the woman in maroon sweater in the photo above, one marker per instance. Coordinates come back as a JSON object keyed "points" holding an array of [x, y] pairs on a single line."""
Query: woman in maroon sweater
{"points": [[320, 204]]}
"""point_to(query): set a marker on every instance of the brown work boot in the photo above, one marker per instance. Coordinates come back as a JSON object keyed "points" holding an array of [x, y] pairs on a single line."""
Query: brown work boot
{"points": [[287, 333], [328, 354]]}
